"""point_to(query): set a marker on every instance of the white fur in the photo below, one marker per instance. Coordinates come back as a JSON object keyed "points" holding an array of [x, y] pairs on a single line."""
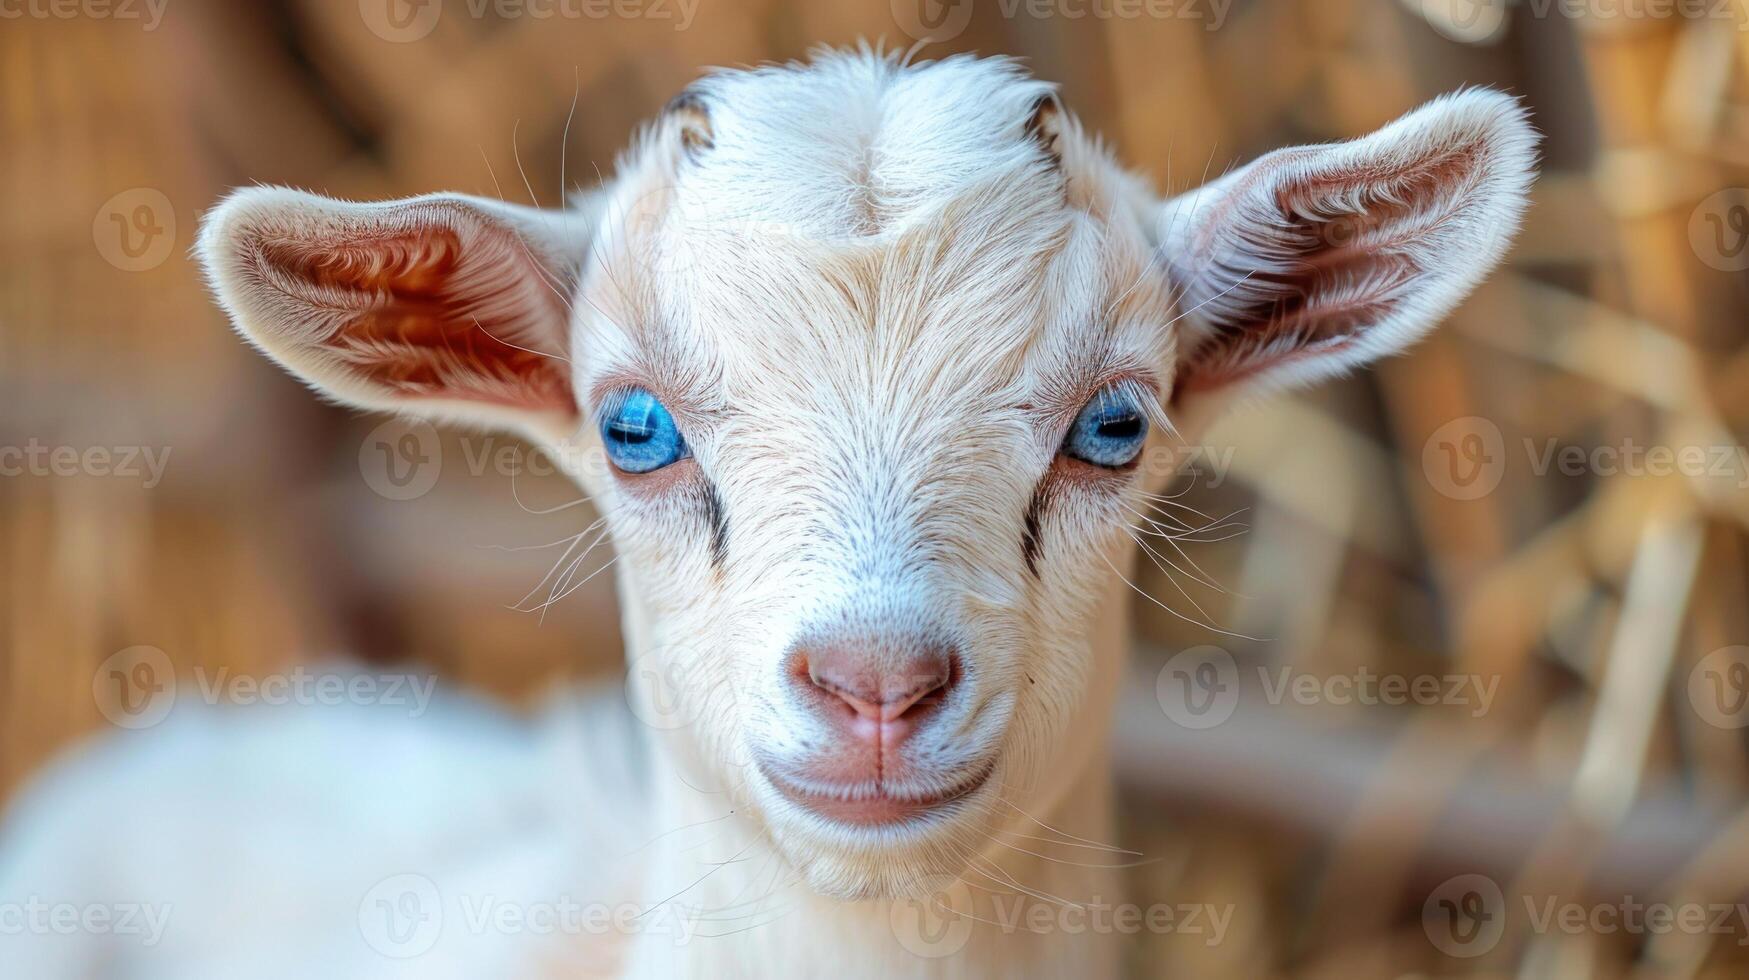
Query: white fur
{"points": [[874, 305]]}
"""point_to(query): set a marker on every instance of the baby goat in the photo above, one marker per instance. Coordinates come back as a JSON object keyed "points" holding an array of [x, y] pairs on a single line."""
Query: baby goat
{"points": [[861, 360]]}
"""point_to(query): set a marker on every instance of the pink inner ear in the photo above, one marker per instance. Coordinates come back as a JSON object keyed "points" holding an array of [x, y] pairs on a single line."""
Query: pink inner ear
{"points": [[1337, 258], [436, 323]]}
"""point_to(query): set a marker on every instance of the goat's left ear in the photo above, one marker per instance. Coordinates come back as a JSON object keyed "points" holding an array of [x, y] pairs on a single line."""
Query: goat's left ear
{"points": [[1313, 260], [443, 306]]}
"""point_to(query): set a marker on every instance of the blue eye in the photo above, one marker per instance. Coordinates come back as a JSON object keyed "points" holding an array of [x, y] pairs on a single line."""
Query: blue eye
{"points": [[1109, 432], [639, 434]]}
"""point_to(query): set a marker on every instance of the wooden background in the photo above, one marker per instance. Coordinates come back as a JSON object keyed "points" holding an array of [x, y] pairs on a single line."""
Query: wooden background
{"points": [[1593, 599]]}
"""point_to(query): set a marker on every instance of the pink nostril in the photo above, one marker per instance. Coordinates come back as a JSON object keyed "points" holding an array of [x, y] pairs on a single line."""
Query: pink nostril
{"points": [[876, 695]]}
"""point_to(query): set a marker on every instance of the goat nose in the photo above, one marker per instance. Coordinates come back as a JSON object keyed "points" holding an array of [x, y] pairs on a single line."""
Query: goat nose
{"points": [[885, 691]]}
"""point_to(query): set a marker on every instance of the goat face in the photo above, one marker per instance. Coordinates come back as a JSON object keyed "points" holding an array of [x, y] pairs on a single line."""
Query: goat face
{"points": [[867, 366]]}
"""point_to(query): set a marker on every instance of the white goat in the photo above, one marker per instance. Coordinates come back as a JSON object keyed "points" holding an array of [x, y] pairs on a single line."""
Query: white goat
{"points": [[868, 365]]}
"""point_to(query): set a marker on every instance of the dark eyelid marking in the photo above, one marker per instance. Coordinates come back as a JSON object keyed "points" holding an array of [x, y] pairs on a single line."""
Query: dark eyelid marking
{"points": [[1031, 542], [719, 525]]}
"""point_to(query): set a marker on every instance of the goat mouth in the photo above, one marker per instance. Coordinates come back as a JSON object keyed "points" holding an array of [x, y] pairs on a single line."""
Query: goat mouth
{"points": [[877, 805]]}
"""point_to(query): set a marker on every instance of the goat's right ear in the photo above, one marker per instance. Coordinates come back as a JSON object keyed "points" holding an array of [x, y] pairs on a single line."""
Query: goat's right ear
{"points": [[1314, 260], [443, 306]]}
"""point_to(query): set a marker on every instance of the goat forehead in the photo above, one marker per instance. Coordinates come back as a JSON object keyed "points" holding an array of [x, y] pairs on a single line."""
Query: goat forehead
{"points": [[853, 145], [951, 314]]}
